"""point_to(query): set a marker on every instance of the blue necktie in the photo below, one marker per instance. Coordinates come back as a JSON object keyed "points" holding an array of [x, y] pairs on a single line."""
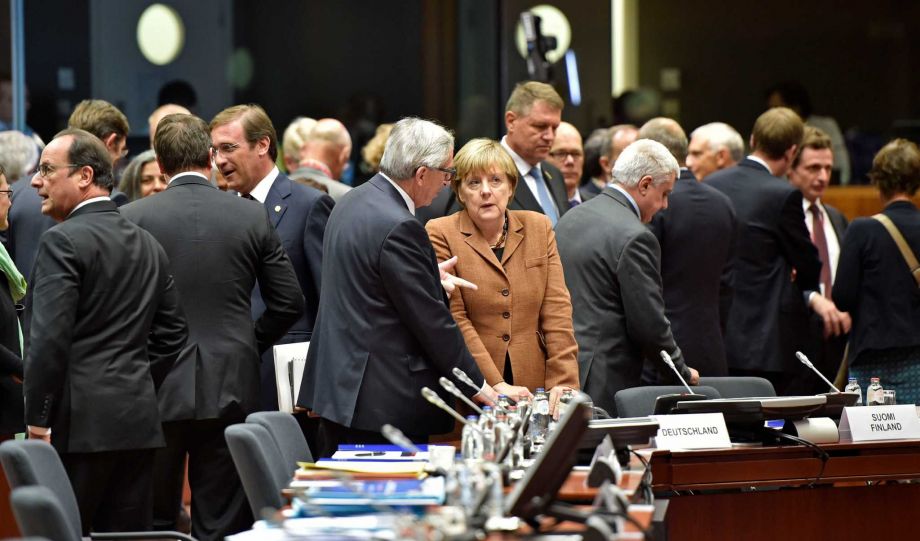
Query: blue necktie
{"points": [[543, 195]]}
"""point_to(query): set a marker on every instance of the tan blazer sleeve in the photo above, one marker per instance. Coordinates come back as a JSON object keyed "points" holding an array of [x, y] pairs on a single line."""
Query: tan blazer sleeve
{"points": [[556, 321], [437, 232]]}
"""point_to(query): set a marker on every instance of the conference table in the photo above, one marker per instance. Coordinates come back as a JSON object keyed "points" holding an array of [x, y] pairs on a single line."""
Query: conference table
{"points": [[865, 491]]}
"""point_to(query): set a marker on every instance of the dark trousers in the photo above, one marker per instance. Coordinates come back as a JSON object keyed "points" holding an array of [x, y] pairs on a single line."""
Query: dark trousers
{"points": [[219, 505], [113, 489], [330, 435]]}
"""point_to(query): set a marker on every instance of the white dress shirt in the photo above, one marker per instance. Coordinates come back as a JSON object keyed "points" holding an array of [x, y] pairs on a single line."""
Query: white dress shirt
{"points": [[833, 243], [524, 169], [260, 192]]}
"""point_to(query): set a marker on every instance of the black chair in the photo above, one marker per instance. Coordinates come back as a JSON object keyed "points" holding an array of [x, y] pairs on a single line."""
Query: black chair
{"points": [[640, 401], [287, 434], [260, 465], [740, 387], [36, 464]]}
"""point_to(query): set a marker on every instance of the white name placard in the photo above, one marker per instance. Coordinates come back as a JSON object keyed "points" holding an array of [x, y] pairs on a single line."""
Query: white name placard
{"points": [[869, 423], [692, 431]]}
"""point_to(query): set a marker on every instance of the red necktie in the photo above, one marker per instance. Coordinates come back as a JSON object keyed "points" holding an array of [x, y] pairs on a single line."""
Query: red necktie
{"points": [[820, 241]]}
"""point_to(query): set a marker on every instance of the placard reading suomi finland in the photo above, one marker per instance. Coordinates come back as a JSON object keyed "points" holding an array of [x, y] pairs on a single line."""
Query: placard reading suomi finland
{"points": [[870, 423], [692, 431]]}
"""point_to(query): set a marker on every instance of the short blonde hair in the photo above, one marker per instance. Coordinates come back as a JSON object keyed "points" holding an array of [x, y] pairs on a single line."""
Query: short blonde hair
{"points": [[480, 156], [294, 136], [527, 93], [373, 150]]}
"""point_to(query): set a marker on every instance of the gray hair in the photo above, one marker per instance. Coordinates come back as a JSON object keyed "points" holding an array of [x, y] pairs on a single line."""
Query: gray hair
{"points": [[721, 135], [18, 154], [667, 132], [641, 158], [414, 143]]}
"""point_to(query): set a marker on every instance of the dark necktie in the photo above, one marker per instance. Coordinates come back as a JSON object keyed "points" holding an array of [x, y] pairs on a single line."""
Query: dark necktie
{"points": [[820, 241], [248, 196], [573, 203]]}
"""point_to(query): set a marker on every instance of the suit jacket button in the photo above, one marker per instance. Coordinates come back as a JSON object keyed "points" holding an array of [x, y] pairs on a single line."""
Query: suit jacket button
{"points": [[506, 315], [505, 292], [506, 337]]}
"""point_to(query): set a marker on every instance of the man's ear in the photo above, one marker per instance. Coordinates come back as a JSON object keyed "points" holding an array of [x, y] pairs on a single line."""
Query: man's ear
{"points": [[722, 157], [110, 141], [510, 117], [86, 177], [262, 145]]}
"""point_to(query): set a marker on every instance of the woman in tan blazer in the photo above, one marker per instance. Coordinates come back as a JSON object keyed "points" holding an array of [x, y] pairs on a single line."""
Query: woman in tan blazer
{"points": [[518, 323]]}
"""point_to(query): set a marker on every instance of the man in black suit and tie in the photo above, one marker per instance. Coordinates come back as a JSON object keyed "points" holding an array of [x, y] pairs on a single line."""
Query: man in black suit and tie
{"points": [[774, 255], [246, 149], [218, 245], [106, 329], [696, 233], [611, 264], [532, 114], [811, 173], [384, 330]]}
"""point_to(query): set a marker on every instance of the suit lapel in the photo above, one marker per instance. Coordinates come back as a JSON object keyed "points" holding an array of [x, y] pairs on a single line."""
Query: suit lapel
{"points": [[476, 241], [275, 202], [515, 236], [524, 197]]}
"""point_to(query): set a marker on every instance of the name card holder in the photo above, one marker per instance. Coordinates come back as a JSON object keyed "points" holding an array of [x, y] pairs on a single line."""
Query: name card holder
{"points": [[692, 431], [871, 423]]}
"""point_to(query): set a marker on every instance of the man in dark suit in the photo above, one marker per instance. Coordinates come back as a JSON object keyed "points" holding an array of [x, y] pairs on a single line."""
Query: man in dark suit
{"points": [[774, 254], [811, 173], [611, 265], [246, 149], [218, 244], [106, 329], [532, 114], [696, 234], [384, 329]]}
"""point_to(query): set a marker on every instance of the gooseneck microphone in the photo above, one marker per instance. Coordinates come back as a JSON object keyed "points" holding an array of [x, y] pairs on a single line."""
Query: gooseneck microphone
{"points": [[437, 401], [670, 362], [397, 438], [801, 357], [449, 386], [463, 378]]}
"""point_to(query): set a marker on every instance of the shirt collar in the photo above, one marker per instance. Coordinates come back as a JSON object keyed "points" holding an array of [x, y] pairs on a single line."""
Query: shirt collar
{"points": [[754, 158], [402, 193], [577, 196], [260, 192], [522, 166], [186, 174], [629, 198], [806, 205], [90, 201]]}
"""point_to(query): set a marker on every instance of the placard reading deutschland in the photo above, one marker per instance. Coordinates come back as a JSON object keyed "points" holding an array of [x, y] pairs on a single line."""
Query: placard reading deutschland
{"points": [[692, 431]]}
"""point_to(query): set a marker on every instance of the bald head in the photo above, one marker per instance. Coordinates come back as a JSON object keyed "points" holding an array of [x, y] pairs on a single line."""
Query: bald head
{"points": [[568, 155], [669, 133], [162, 111], [328, 142]]}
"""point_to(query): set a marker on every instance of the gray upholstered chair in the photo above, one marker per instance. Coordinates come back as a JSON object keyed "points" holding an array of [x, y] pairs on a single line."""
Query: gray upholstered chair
{"points": [[640, 401], [260, 465], [740, 387], [286, 432]]}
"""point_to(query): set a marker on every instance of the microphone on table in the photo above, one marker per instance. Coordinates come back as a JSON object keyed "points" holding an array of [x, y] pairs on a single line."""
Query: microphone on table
{"points": [[449, 386], [437, 401], [801, 357], [665, 403], [397, 438], [463, 378]]}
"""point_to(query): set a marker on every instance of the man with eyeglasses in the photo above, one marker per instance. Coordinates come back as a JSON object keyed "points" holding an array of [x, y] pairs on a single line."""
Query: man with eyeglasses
{"points": [[384, 329], [568, 155], [245, 150], [106, 330]]}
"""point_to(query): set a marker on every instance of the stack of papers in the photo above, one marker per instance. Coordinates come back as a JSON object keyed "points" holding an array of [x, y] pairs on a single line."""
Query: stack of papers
{"points": [[349, 497]]}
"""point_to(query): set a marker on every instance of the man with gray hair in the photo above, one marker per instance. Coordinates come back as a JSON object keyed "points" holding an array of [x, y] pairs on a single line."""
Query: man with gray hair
{"points": [[611, 262], [696, 233], [713, 147], [324, 155], [384, 329]]}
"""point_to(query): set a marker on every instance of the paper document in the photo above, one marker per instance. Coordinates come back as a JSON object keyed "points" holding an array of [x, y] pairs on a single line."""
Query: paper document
{"points": [[290, 360]]}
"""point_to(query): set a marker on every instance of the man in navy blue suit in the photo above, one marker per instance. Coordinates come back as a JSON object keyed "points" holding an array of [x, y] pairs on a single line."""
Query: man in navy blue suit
{"points": [[245, 150]]}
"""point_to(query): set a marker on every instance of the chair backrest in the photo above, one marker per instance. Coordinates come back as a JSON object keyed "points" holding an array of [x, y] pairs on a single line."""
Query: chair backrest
{"points": [[740, 387], [39, 513], [34, 462], [287, 435], [260, 465], [640, 401]]}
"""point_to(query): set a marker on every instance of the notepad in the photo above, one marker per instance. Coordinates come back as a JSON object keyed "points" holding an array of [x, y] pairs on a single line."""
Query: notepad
{"points": [[290, 360]]}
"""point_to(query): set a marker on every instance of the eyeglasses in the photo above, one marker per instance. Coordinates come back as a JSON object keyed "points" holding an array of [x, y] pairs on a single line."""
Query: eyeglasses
{"points": [[225, 148], [45, 170], [563, 154], [123, 153], [8, 193], [451, 171]]}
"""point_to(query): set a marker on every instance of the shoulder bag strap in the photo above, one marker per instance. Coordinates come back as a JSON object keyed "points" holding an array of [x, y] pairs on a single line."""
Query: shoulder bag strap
{"points": [[906, 252]]}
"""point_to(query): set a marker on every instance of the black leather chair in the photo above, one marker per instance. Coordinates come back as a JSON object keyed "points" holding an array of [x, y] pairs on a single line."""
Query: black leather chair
{"points": [[740, 387], [260, 464], [640, 401], [287, 434], [34, 464]]}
